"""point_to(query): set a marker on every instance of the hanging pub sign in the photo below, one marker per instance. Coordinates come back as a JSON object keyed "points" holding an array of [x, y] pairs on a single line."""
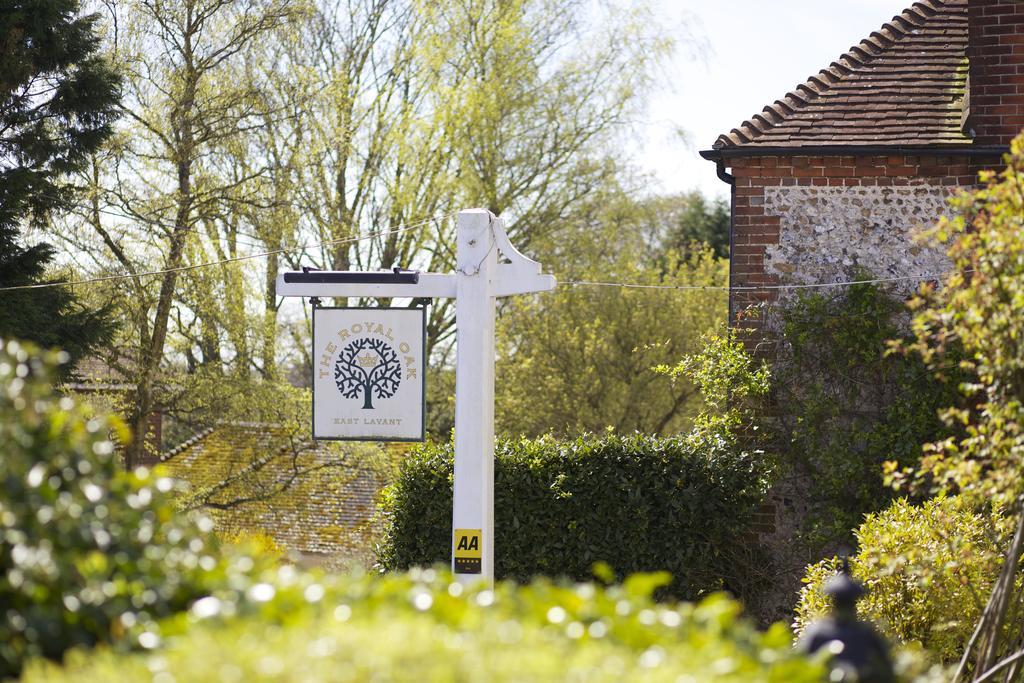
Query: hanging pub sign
{"points": [[357, 391], [368, 373]]}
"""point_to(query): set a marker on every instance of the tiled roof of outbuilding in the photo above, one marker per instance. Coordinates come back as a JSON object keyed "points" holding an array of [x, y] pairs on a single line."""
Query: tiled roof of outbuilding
{"points": [[903, 86], [329, 510]]}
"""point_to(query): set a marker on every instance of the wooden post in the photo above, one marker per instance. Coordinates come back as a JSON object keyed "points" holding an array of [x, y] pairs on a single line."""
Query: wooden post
{"points": [[473, 508]]}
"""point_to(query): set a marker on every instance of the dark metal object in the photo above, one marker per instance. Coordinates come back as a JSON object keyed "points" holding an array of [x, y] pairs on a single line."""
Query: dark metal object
{"points": [[384, 277], [731, 180], [722, 174], [858, 651]]}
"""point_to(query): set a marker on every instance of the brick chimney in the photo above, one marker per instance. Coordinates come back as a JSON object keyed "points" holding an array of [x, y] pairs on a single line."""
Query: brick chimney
{"points": [[996, 84]]}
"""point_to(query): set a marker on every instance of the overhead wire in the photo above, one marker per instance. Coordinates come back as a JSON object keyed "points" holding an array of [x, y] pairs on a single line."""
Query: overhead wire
{"points": [[233, 259], [754, 288]]}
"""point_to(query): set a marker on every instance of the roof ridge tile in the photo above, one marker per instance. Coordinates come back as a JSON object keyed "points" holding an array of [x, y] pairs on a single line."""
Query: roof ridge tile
{"points": [[186, 444], [912, 18], [761, 122], [897, 33], [858, 50]]}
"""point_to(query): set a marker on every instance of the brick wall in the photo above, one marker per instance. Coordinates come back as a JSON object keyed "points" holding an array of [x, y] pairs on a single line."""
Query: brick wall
{"points": [[996, 53], [758, 227], [803, 219]]}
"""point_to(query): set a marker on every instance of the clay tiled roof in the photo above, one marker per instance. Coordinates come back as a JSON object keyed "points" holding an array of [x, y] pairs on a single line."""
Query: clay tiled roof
{"points": [[328, 511], [904, 85]]}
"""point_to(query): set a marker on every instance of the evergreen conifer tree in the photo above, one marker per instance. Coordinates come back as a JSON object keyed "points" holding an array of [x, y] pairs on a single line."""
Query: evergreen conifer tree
{"points": [[58, 99], [50, 316]]}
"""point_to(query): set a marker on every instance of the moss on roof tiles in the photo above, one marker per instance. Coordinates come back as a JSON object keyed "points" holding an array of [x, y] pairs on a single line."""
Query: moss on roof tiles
{"points": [[329, 510]]}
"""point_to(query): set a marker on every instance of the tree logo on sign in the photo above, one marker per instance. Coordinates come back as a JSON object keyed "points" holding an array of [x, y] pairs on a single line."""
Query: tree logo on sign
{"points": [[368, 368]]}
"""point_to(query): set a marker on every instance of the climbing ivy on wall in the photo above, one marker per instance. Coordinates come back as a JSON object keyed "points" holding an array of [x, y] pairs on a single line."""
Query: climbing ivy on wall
{"points": [[846, 403]]}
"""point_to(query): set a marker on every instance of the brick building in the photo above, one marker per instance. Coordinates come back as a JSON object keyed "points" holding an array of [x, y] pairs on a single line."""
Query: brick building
{"points": [[832, 180]]}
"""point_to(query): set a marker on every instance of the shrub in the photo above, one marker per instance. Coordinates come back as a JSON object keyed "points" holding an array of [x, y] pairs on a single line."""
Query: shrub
{"points": [[979, 310], [637, 503], [928, 571], [732, 386], [421, 627], [88, 552]]}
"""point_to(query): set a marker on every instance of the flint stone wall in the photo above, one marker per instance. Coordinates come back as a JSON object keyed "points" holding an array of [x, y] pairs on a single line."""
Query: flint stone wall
{"points": [[832, 234]]}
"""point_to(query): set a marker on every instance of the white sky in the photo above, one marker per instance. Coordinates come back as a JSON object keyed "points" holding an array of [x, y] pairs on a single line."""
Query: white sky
{"points": [[758, 50]]}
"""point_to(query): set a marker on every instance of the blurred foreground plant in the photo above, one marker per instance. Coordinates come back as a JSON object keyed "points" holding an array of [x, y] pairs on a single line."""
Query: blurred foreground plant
{"points": [[422, 626], [88, 553]]}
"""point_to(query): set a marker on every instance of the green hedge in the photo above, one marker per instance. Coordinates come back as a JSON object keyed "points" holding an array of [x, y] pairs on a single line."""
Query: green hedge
{"points": [[636, 503]]}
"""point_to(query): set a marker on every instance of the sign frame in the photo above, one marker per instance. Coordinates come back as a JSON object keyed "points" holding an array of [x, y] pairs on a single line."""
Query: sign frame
{"points": [[423, 398]]}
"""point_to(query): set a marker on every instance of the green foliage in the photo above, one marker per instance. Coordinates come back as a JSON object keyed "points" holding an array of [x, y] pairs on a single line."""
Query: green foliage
{"points": [[440, 416], [593, 349], [51, 317], [731, 384], [847, 405], [422, 626], [682, 222], [208, 397], [980, 308], [636, 502], [928, 570], [59, 100], [88, 552]]}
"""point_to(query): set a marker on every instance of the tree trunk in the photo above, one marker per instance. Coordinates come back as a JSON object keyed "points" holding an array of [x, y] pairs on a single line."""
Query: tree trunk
{"points": [[152, 353], [269, 347]]}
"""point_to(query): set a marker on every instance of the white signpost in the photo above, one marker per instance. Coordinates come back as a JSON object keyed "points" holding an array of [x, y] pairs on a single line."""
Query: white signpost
{"points": [[477, 283]]}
